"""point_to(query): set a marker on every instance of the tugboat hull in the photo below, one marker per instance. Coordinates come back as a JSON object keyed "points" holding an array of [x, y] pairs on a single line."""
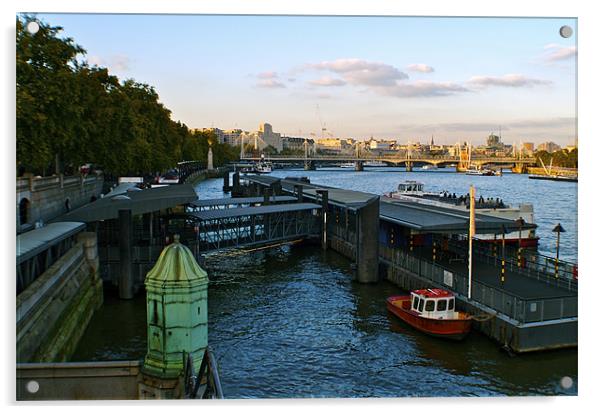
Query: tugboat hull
{"points": [[455, 329]]}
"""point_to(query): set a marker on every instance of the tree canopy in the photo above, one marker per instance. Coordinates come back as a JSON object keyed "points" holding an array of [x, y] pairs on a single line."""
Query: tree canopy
{"points": [[71, 113]]}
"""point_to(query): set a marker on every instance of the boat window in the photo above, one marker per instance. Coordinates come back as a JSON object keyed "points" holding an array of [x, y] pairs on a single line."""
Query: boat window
{"points": [[421, 305], [430, 306], [441, 304], [415, 303], [451, 304]]}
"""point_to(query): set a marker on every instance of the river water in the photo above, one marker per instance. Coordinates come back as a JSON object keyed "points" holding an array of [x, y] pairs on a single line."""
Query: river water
{"points": [[290, 322]]}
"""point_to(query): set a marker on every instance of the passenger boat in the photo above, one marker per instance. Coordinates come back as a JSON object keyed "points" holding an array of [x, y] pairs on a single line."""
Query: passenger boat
{"points": [[431, 311], [263, 167], [429, 167], [347, 165], [375, 164], [474, 170], [413, 191]]}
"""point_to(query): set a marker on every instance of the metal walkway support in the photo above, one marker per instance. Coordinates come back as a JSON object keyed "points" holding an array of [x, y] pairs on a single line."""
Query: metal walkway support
{"points": [[126, 281], [367, 241], [237, 227]]}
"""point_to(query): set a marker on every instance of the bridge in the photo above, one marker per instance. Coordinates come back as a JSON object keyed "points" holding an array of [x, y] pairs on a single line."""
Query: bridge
{"points": [[461, 162]]}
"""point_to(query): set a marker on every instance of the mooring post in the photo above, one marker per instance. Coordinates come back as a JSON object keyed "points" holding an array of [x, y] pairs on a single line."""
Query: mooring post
{"points": [[126, 282], [299, 192], [324, 197], [226, 186], [266, 195], [236, 182], [367, 241]]}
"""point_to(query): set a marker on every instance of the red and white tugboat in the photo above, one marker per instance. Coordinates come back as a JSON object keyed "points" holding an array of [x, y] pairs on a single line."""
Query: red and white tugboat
{"points": [[431, 311]]}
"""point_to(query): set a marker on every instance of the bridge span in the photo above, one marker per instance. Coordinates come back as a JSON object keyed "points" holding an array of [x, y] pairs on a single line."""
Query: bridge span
{"points": [[461, 163]]}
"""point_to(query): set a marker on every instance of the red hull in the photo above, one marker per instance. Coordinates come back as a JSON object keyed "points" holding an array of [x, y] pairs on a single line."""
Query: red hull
{"points": [[444, 328]]}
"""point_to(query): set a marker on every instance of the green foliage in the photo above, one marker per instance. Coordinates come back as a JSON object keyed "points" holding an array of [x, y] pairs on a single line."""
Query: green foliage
{"points": [[561, 158], [76, 114]]}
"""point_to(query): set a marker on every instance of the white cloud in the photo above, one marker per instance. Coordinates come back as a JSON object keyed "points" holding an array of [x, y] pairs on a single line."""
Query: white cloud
{"points": [[119, 62], [327, 81], [362, 72], [511, 81], [423, 89], [270, 83], [267, 75], [420, 67], [556, 52]]}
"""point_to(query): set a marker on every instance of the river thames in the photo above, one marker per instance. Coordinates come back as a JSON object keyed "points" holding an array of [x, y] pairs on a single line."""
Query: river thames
{"points": [[290, 322]]}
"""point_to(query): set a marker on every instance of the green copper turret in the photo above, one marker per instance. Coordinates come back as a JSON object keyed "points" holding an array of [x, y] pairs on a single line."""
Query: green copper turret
{"points": [[176, 309]]}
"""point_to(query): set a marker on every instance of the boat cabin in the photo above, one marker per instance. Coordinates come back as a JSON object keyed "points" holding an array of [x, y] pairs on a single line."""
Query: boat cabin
{"points": [[433, 303], [411, 187]]}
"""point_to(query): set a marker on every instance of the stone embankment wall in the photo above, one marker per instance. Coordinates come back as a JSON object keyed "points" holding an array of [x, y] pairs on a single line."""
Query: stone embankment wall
{"points": [[45, 198], [54, 311]]}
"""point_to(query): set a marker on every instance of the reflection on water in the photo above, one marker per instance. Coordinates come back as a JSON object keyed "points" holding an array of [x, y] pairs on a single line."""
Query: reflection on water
{"points": [[290, 322]]}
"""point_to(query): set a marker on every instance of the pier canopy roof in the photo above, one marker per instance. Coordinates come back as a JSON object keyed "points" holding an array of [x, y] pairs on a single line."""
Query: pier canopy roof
{"points": [[33, 242], [252, 211], [139, 202], [433, 219], [240, 200]]}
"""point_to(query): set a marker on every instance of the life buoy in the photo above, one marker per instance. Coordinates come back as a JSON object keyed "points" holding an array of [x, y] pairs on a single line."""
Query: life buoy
{"points": [[575, 277]]}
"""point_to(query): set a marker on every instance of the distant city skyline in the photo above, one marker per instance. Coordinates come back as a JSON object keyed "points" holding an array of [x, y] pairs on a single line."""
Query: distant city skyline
{"points": [[404, 78]]}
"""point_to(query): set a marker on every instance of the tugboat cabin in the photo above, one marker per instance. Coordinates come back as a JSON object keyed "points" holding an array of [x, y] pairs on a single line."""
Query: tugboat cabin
{"points": [[433, 303]]}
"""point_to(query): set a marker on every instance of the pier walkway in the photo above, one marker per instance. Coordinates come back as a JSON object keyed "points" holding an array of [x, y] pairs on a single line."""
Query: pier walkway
{"points": [[532, 310]]}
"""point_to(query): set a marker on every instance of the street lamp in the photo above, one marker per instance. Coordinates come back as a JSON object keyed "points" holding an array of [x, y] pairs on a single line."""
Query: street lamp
{"points": [[558, 229], [521, 222]]}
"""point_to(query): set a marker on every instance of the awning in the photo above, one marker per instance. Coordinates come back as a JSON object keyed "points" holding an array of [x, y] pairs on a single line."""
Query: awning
{"points": [[252, 211], [36, 241], [139, 202], [433, 219]]}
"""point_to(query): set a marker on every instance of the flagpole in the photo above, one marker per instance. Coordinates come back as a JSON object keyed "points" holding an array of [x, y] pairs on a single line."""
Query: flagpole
{"points": [[471, 233]]}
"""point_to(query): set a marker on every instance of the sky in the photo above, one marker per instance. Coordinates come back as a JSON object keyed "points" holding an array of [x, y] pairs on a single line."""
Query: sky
{"points": [[404, 78]]}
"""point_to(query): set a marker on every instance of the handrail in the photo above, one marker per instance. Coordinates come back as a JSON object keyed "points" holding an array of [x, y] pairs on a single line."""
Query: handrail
{"points": [[518, 305], [207, 374]]}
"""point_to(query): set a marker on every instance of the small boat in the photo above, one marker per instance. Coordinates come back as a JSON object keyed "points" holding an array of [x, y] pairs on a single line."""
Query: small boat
{"points": [[347, 165], [474, 170], [374, 164], [171, 177], [431, 311], [569, 178], [429, 167]]}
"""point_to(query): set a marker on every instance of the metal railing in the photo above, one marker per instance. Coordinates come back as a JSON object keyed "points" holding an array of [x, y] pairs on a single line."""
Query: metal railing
{"points": [[509, 304], [207, 375], [532, 264]]}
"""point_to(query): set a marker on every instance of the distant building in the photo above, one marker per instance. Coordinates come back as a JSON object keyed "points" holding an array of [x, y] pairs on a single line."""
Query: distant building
{"points": [[331, 145], [232, 137], [549, 147], [219, 134], [494, 142], [374, 144], [298, 144], [528, 148], [269, 137]]}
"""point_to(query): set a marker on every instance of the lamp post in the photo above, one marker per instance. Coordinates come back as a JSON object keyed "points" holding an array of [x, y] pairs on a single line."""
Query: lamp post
{"points": [[558, 229], [521, 222], [503, 272]]}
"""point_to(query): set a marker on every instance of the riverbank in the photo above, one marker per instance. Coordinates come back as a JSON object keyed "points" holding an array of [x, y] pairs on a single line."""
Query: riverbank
{"points": [[202, 175]]}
